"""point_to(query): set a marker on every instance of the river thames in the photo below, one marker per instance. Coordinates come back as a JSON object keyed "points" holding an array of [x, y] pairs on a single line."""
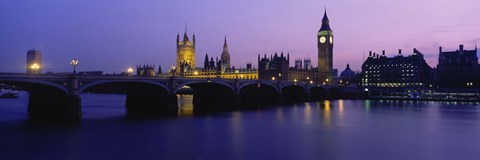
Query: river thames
{"points": [[336, 129]]}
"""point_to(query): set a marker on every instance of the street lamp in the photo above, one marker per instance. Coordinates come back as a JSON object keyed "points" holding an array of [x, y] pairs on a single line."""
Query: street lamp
{"points": [[273, 78], [129, 71], [173, 70], [35, 67], [74, 63]]}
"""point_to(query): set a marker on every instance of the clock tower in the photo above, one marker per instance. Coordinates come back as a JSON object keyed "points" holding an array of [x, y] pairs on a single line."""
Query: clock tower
{"points": [[325, 52]]}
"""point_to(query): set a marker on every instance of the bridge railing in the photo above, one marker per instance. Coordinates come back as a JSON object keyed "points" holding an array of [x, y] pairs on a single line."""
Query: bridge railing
{"points": [[32, 76]]}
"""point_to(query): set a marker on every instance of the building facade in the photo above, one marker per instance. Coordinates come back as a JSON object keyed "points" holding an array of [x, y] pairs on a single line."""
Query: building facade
{"points": [[274, 67], [34, 61], [185, 54], [277, 67], [395, 72], [458, 69], [325, 52]]}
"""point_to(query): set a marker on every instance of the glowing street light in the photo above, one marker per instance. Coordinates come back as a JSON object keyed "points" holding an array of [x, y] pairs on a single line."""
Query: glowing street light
{"points": [[173, 70], [273, 78], [35, 66], [129, 70], [74, 63]]}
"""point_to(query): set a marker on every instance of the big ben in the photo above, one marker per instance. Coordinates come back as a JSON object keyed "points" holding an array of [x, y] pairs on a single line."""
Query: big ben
{"points": [[325, 52]]}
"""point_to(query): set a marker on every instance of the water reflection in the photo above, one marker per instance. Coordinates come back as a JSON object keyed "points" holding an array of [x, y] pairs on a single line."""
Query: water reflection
{"points": [[367, 105], [308, 113], [185, 105], [327, 116], [360, 130], [340, 109], [279, 114]]}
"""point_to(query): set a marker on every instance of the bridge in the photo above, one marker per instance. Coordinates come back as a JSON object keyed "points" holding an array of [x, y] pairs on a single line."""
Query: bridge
{"points": [[59, 94]]}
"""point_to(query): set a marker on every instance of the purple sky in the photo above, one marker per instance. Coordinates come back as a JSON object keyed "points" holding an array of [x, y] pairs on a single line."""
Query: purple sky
{"points": [[112, 35]]}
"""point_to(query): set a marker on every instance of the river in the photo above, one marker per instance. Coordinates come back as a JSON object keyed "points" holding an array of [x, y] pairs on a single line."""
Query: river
{"points": [[336, 129]]}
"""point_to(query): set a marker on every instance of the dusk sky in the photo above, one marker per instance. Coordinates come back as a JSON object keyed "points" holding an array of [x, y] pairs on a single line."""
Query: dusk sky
{"points": [[112, 35]]}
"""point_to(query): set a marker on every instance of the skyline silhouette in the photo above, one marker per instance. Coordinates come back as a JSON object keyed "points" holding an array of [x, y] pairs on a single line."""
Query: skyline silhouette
{"points": [[111, 36]]}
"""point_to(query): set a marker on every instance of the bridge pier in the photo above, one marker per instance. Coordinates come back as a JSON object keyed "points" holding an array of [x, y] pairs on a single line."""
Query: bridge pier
{"points": [[52, 107]]}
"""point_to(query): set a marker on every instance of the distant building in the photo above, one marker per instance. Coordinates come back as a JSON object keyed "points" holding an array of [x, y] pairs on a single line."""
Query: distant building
{"points": [[225, 57], [277, 68], [147, 70], [91, 73], [298, 63], [458, 68], [347, 75], [34, 61], [307, 62], [185, 54], [398, 71], [325, 51]]}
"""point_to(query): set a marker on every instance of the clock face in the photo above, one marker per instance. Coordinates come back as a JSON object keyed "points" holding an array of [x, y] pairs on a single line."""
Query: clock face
{"points": [[322, 39], [331, 39]]}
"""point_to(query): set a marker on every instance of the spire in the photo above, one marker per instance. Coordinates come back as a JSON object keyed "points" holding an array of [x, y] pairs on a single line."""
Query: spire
{"points": [[185, 37], [348, 66], [185, 27], [178, 37], [225, 43], [193, 38], [325, 22]]}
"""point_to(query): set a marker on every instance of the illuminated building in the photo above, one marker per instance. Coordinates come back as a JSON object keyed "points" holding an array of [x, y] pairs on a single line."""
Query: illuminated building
{"points": [[458, 68], [34, 61], [225, 57], [398, 71], [218, 68], [185, 54], [325, 51]]}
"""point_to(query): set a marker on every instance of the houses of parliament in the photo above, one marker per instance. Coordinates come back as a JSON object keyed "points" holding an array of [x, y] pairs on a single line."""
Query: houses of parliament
{"points": [[273, 67]]}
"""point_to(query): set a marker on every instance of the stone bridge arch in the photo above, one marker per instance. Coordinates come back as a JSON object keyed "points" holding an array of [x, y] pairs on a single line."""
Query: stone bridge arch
{"points": [[119, 82], [259, 83], [143, 97], [258, 94], [211, 95], [48, 99], [38, 86], [196, 83], [295, 93]]}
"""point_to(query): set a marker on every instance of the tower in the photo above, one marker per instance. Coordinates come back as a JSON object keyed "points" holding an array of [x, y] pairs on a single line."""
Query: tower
{"points": [[325, 51], [34, 61], [225, 57], [185, 53]]}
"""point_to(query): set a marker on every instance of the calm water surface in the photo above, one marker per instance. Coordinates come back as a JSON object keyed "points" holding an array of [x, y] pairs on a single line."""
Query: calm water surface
{"points": [[339, 129]]}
